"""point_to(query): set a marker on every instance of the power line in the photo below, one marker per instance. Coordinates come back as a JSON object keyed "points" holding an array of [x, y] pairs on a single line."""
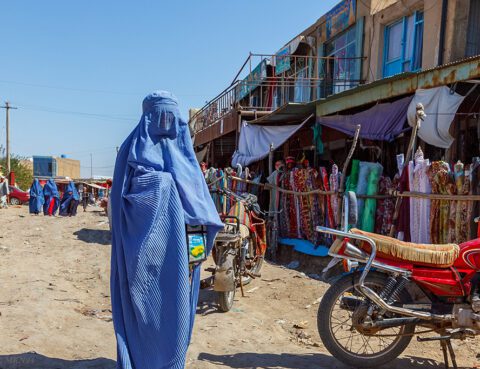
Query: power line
{"points": [[77, 113], [64, 88]]}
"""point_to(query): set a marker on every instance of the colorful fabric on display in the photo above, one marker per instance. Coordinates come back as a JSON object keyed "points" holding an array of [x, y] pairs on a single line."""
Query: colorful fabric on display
{"points": [[69, 202], [363, 181], [158, 189], [385, 207], [326, 187], [368, 218], [403, 220], [420, 208], [462, 183], [440, 179], [303, 184], [52, 198], [353, 178], [334, 186], [474, 206], [37, 198]]}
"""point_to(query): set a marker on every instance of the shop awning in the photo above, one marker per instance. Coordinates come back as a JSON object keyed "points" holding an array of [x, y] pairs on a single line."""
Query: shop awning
{"points": [[255, 141], [287, 114], [381, 122]]}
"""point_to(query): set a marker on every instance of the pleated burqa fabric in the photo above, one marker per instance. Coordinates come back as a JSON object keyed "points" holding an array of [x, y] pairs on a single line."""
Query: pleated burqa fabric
{"points": [[158, 188], [36, 197]]}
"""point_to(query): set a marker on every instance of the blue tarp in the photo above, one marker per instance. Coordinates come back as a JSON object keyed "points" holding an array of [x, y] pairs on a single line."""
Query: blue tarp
{"points": [[304, 246], [158, 188], [36, 197], [52, 197]]}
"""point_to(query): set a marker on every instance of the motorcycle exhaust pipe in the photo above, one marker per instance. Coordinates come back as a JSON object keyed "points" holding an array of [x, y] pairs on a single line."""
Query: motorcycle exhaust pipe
{"points": [[369, 293]]}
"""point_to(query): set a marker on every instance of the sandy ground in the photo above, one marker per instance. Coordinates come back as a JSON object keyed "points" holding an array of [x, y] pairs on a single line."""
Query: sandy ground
{"points": [[55, 308]]}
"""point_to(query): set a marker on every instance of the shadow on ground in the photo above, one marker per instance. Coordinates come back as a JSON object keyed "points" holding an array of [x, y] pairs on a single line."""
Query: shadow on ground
{"points": [[253, 360], [32, 360], [100, 236]]}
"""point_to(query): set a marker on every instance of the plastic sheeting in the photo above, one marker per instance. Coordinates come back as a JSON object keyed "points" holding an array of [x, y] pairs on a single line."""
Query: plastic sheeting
{"points": [[255, 140], [382, 122], [158, 189], [440, 105]]}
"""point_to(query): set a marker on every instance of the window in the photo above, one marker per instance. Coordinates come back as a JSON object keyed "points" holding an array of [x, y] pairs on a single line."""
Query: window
{"points": [[342, 72], [473, 31], [403, 45]]}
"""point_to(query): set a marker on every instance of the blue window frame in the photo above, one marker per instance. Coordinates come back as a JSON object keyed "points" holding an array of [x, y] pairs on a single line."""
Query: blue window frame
{"points": [[403, 45]]}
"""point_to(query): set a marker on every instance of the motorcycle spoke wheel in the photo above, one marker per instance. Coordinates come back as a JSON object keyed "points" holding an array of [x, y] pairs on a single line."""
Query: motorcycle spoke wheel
{"points": [[354, 341]]}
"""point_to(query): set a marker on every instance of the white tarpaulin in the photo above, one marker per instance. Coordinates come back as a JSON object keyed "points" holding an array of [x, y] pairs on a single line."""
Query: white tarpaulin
{"points": [[255, 140], [440, 106]]}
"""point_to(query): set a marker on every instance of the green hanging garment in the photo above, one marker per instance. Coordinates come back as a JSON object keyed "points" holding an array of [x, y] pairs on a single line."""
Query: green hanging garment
{"points": [[368, 216], [353, 178], [317, 138]]}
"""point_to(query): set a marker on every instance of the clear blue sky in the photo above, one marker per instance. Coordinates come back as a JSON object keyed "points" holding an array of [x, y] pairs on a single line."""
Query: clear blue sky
{"points": [[78, 71]]}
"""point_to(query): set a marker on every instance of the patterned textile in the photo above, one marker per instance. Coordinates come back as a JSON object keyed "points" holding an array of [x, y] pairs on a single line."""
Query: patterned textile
{"points": [[385, 207], [334, 186], [306, 225], [442, 183], [330, 218]]}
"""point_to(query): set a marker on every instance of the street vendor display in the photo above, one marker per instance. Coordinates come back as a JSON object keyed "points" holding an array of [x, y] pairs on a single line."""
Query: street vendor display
{"points": [[158, 189]]}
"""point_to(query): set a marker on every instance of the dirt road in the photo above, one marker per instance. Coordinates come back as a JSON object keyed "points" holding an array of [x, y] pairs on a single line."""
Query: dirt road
{"points": [[55, 308]]}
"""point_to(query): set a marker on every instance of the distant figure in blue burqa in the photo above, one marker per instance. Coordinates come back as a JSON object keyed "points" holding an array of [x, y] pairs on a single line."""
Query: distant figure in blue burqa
{"points": [[158, 189], [70, 199], [37, 200], [52, 198]]}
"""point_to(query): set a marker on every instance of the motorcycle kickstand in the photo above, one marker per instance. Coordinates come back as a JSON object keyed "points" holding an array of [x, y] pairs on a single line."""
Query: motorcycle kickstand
{"points": [[241, 285], [448, 349], [446, 344]]}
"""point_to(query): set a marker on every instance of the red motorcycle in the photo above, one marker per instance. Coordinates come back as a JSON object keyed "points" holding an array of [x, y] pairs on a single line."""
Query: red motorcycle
{"points": [[369, 315]]}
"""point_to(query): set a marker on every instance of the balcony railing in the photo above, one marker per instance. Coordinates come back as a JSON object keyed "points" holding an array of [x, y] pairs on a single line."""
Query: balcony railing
{"points": [[280, 79]]}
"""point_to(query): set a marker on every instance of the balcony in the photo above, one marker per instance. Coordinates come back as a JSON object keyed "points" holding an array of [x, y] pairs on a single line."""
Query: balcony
{"points": [[277, 80]]}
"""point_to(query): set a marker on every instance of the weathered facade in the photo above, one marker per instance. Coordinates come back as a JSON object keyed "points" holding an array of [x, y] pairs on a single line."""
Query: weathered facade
{"points": [[357, 54]]}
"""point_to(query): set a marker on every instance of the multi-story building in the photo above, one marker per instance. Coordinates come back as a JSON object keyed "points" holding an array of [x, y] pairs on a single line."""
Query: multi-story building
{"points": [[360, 53], [50, 166]]}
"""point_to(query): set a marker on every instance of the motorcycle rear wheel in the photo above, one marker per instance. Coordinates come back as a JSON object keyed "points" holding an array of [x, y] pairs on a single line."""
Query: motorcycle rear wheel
{"points": [[344, 341]]}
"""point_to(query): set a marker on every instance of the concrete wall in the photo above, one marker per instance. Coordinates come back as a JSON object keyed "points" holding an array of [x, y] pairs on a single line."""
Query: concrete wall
{"points": [[384, 13], [68, 168]]}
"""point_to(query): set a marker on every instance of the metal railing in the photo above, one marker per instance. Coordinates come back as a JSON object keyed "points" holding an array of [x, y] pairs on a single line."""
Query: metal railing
{"points": [[277, 80]]}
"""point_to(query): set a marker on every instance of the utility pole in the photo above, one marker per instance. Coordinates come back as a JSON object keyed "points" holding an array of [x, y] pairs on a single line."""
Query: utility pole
{"points": [[7, 108], [91, 165]]}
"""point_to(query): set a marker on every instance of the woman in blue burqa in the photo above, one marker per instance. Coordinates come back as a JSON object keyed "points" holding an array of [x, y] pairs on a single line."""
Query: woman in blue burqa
{"points": [[70, 199], [50, 193], [158, 189], [37, 200]]}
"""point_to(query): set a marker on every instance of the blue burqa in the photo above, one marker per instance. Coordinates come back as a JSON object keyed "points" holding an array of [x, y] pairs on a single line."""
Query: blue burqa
{"points": [[37, 200], [158, 188], [70, 198], [50, 193]]}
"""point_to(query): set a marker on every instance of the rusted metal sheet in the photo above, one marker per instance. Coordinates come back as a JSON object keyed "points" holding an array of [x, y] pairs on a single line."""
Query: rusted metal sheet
{"points": [[223, 126], [403, 84]]}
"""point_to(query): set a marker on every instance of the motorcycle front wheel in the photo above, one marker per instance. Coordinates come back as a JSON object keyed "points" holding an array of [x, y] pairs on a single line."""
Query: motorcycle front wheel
{"points": [[349, 344], [225, 300]]}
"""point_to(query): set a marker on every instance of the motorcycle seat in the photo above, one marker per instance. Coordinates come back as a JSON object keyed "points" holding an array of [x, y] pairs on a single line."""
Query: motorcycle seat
{"points": [[441, 256]]}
